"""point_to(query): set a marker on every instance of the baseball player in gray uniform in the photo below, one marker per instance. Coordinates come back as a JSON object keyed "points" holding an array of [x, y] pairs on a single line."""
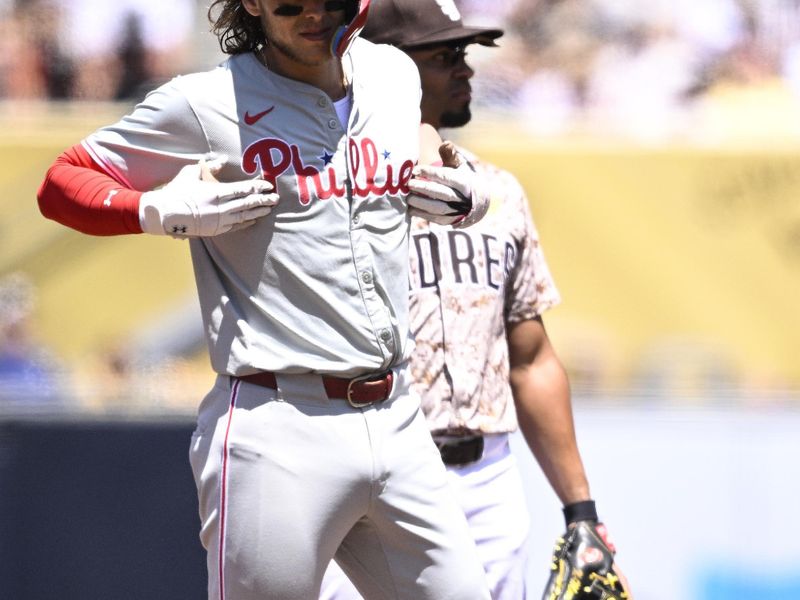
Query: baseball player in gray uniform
{"points": [[483, 363], [312, 443]]}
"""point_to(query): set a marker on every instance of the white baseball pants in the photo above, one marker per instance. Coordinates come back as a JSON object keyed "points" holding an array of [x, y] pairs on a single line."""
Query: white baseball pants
{"points": [[287, 479], [491, 495]]}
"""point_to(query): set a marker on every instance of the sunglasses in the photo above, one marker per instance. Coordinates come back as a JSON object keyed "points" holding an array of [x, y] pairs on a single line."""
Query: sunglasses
{"points": [[294, 10]]}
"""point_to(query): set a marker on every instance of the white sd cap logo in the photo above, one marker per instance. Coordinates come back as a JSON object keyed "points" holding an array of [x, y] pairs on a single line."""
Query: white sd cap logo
{"points": [[449, 8]]}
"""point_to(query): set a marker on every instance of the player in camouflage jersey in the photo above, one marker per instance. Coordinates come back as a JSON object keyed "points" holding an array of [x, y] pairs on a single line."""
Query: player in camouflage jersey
{"points": [[311, 443], [483, 362]]}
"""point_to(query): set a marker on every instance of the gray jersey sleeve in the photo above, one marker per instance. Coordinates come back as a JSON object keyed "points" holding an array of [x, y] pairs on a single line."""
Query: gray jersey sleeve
{"points": [[148, 147]]}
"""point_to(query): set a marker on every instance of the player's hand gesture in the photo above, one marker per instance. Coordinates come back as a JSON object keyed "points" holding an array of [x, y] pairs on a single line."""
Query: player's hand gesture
{"points": [[195, 204], [450, 194]]}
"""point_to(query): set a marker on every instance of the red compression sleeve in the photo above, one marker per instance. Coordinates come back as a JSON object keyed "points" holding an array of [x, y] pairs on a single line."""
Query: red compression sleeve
{"points": [[78, 193]]}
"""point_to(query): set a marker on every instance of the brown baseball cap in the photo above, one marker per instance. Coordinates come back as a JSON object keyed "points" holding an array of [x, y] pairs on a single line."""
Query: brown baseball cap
{"points": [[413, 23]]}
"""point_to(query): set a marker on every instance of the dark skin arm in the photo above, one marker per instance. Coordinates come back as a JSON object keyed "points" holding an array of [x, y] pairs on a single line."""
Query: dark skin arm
{"points": [[544, 409]]}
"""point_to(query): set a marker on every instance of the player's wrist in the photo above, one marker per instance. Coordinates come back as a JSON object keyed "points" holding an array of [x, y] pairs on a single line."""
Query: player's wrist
{"points": [[150, 215], [585, 510]]}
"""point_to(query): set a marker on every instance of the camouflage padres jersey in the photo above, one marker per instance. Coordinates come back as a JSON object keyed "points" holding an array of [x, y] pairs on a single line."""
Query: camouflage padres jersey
{"points": [[319, 284], [485, 276]]}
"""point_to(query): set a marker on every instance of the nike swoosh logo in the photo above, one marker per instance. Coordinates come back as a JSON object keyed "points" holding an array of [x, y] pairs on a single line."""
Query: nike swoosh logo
{"points": [[253, 119]]}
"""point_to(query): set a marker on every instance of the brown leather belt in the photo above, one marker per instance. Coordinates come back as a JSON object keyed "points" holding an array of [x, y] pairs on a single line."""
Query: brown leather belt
{"points": [[359, 391]]}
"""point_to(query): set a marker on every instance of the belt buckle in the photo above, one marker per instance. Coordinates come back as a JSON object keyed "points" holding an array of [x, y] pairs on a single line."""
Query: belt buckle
{"points": [[355, 380], [350, 400]]}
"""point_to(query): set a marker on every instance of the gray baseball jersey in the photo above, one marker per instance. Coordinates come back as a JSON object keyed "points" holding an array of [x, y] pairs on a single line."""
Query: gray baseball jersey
{"points": [[320, 284], [483, 277]]}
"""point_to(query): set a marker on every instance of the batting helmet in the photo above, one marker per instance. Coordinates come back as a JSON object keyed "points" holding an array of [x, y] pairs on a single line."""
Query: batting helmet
{"points": [[356, 18]]}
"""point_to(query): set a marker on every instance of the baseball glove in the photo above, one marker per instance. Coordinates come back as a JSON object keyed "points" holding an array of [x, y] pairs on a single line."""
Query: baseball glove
{"points": [[583, 566]]}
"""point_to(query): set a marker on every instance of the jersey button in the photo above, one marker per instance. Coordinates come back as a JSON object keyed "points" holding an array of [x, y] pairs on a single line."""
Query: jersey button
{"points": [[333, 124], [366, 277], [356, 219], [386, 335], [322, 102]]}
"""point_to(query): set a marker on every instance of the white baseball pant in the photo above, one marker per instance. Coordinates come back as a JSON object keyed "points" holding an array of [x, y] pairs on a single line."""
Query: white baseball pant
{"points": [[492, 497], [287, 479]]}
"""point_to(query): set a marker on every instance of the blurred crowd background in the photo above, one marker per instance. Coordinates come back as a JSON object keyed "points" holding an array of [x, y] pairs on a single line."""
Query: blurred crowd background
{"points": [[619, 64], [646, 69], [650, 74]]}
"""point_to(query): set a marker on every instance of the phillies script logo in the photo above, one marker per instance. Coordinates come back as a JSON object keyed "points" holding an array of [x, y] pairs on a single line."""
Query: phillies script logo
{"points": [[272, 157]]}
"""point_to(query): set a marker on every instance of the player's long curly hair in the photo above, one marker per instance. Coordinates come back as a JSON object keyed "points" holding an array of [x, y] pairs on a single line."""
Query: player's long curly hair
{"points": [[236, 29]]}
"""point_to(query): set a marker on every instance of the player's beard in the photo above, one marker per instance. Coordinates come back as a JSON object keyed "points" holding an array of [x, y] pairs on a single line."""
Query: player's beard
{"points": [[274, 44], [291, 53], [452, 118]]}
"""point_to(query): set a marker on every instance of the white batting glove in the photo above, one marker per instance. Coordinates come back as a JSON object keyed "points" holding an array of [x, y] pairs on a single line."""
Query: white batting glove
{"points": [[447, 195], [194, 204]]}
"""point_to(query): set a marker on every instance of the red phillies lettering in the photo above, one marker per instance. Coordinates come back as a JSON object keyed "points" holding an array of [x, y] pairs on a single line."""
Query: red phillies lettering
{"points": [[403, 177], [306, 174], [370, 156], [272, 157], [259, 155]]}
